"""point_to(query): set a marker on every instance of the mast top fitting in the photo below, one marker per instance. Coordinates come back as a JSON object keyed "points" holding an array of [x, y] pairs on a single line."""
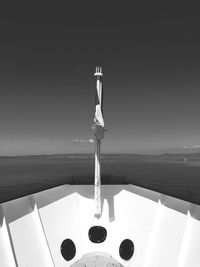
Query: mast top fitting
{"points": [[98, 71]]}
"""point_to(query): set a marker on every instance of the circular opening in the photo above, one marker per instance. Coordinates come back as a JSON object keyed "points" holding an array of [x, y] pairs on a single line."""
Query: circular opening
{"points": [[68, 249], [126, 249], [97, 234]]}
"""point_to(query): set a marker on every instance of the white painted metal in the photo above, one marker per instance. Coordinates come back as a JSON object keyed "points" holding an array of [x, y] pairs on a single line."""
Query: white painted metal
{"points": [[156, 224], [164, 230], [27, 234], [189, 254], [97, 178], [167, 239], [7, 257], [61, 220]]}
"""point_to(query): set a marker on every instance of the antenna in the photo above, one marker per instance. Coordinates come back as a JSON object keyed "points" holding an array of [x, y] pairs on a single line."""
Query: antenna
{"points": [[98, 71], [98, 129]]}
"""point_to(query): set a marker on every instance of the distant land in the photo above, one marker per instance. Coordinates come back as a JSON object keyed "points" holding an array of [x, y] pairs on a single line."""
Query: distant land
{"points": [[164, 156]]}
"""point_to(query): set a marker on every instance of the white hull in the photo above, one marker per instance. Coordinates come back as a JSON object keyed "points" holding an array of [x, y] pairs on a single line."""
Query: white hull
{"points": [[165, 231]]}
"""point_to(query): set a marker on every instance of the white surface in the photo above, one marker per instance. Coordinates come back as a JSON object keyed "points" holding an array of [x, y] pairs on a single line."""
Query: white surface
{"points": [[164, 230], [27, 234], [6, 253], [189, 255], [167, 238]]}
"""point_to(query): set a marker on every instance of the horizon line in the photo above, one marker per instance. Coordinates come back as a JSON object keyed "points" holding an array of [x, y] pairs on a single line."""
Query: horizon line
{"points": [[116, 153]]}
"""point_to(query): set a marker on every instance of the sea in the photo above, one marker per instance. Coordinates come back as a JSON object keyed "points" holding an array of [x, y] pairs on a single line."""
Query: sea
{"points": [[174, 175]]}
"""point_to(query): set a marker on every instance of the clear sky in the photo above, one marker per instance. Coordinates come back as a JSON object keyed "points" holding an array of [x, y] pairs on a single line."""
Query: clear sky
{"points": [[151, 63]]}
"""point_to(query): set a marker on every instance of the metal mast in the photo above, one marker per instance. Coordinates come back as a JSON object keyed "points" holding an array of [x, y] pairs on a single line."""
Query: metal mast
{"points": [[98, 129]]}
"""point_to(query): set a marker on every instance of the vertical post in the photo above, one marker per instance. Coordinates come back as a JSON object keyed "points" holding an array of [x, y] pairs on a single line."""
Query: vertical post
{"points": [[97, 182], [98, 128]]}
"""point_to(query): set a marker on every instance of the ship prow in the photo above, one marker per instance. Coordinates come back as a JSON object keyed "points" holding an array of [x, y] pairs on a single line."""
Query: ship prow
{"points": [[138, 227]]}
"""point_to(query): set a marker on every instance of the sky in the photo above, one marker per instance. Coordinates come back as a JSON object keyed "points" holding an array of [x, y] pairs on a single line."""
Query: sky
{"points": [[150, 55]]}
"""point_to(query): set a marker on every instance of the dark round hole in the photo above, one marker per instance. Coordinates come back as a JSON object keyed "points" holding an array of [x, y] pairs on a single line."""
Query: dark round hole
{"points": [[126, 249], [97, 234], [68, 249]]}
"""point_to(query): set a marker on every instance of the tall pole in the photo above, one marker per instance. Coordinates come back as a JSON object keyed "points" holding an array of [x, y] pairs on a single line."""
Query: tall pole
{"points": [[98, 128], [97, 180]]}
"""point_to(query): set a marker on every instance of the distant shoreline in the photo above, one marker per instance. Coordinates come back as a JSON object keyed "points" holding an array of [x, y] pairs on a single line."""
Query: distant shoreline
{"points": [[178, 156]]}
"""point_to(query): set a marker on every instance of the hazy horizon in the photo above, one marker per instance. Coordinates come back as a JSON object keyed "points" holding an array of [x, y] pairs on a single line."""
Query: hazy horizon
{"points": [[174, 151]]}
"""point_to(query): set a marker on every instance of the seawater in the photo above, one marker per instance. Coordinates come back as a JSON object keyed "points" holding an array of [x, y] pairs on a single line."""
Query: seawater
{"points": [[22, 176]]}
